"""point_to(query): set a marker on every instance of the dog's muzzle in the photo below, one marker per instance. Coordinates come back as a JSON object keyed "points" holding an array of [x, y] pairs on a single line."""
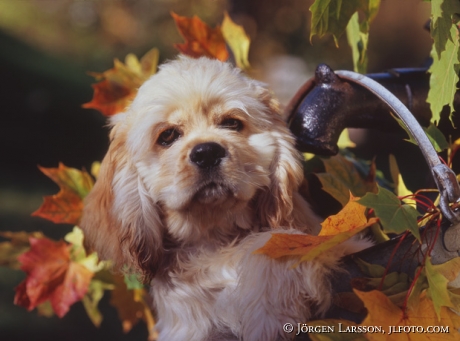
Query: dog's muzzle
{"points": [[207, 155]]}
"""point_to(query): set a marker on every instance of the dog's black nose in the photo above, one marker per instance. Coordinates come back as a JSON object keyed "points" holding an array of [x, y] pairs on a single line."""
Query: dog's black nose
{"points": [[207, 155]]}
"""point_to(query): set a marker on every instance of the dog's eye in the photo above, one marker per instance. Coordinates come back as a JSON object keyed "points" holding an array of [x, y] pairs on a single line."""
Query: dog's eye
{"points": [[168, 137], [232, 124]]}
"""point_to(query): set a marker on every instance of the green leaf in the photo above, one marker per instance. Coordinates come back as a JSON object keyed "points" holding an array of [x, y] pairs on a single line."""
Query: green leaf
{"points": [[444, 76], [358, 37], [132, 282], [436, 137], [332, 16], [437, 289], [395, 216], [420, 285], [372, 270], [443, 15]]}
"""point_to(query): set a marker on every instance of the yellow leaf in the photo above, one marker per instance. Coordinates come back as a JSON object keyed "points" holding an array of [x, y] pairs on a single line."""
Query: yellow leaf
{"points": [[238, 40], [350, 217]]}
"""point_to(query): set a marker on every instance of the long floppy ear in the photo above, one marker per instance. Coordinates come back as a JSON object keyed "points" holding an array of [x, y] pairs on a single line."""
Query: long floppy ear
{"points": [[281, 206], [120, 221]]}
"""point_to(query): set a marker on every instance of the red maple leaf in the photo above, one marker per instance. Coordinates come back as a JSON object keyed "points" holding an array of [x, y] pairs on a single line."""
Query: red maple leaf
{"points": [[51, 275]]}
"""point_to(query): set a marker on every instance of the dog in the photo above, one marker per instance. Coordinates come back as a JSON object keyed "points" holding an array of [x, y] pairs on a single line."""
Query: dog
{"points": [[200, 172]]}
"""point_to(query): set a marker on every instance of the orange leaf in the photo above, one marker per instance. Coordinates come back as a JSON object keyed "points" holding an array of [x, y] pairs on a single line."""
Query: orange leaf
{"points": [[336, 229], [110, 97], [200, 39], [51, 276], [396, 323], [119, 85], [67, 205], [282, 244]]}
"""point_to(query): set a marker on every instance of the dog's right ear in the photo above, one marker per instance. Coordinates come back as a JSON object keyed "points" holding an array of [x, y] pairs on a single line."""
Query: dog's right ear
{"points": [[120, 222]]}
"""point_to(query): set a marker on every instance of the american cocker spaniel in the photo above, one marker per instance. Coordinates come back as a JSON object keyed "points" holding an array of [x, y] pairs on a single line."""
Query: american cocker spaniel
{"points": [[200, 172]]}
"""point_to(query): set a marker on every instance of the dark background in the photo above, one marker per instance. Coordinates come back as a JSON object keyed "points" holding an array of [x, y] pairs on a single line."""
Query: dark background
{"points": [[46, 49]]}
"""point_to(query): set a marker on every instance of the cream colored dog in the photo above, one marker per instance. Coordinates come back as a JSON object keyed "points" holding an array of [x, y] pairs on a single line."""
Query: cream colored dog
{"points": [[201, 170]]}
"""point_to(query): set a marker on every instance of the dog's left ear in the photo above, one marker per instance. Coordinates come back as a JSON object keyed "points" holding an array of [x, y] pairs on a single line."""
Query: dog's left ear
{"points": [[281, 205]]}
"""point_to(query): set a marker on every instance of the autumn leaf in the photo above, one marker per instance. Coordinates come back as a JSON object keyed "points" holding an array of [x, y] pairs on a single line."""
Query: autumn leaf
{"points": [[341, 177], [93, 297], [281, 244], [200, 39], [132, 306], [67, 205], [118, 86], [51, 275], [395, 216], [237, 40], [352, 216], [382, 312], [18, 244], [335, 230]]}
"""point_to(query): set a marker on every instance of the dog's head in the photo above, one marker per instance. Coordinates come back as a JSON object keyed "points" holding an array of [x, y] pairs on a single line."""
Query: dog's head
{"points": [[201, 155]]}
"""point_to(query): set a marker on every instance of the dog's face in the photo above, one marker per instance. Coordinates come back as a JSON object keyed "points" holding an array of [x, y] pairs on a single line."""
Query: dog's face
{"points": [[201, 153]]}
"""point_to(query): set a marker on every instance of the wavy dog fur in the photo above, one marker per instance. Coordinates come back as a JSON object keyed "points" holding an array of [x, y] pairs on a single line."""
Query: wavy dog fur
{"points": [[201, 170]]}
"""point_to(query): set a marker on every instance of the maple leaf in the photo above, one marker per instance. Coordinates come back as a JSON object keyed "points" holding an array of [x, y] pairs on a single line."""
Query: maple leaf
{"points": [[394, 215], [335, 230], [341, 177], [92, 298], [237, 40], [436, 137], [67, 205], [51, 275], [200, 39], [131, 306], [444, 76], [437, 288], [434, 279], [382, 312], [332, 16], [119, 85], [18, 244], [443, 16]]}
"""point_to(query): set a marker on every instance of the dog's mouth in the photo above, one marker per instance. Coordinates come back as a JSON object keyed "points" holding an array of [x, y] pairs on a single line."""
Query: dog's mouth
{"points": [[212, 193]]}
